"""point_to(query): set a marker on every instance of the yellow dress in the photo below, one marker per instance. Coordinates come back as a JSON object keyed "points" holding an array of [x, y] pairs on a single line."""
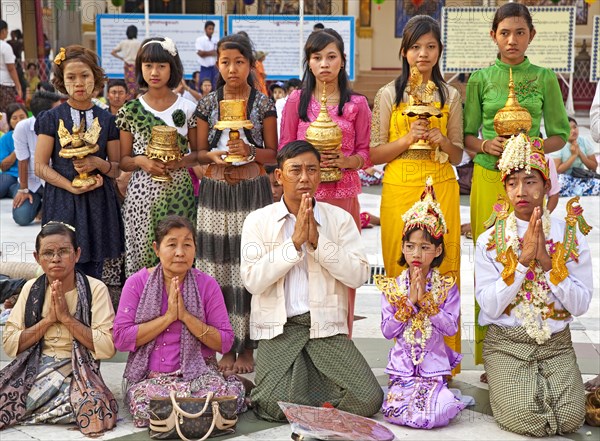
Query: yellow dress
{"points": [[404, 180]]}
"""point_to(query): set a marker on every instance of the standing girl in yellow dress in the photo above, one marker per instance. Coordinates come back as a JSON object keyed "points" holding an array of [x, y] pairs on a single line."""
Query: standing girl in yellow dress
{"points": [[391, 135]]}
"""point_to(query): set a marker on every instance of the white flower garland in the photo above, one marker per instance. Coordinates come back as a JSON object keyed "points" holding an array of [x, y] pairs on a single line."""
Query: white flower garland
{"points": [[410, 331], [531, 302], [515, 156]]}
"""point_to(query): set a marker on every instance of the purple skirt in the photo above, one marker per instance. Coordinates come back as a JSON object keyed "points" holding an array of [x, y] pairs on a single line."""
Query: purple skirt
{"points": [[422, 403]]}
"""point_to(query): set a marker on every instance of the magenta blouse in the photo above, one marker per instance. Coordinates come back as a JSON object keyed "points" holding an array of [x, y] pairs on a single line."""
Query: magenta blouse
{"points": [[355, 123], [439, 358], [165, 357]]}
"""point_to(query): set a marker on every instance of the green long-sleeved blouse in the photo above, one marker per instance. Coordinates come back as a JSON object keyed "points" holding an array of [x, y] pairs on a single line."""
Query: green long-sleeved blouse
{"points": [[537, 90]]}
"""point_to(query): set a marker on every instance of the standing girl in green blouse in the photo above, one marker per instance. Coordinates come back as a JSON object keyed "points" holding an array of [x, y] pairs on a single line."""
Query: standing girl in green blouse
{"points": [[537, 90]]}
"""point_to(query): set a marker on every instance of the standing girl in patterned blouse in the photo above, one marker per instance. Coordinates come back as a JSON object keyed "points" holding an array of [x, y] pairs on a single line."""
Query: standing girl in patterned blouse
{"points": [[147, 201], [94, 209], [324, 63], [228, 193], [419, 308]]}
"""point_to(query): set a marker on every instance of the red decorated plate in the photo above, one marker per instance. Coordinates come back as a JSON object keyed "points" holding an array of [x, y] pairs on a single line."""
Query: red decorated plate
{"points": [[333, 424]]}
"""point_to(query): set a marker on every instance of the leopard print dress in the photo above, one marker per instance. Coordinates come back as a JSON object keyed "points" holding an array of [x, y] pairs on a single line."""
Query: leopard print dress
{"points": [[148, 201]]}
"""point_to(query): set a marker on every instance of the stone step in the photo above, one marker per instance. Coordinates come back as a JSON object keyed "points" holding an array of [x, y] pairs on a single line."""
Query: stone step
{"points": [[369, 82]]}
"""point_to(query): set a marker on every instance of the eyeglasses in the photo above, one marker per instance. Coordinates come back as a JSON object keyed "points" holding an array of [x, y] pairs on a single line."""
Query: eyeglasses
{"points": [[62, 253]]}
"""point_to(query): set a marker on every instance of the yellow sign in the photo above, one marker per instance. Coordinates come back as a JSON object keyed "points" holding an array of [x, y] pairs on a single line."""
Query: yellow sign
{"points": [[469, 47]]}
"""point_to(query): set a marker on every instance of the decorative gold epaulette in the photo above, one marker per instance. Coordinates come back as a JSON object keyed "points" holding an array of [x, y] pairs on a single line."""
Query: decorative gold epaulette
{"points": [[500, 210], [391, 290], [569, 246], [509, 259], [430, 305]]}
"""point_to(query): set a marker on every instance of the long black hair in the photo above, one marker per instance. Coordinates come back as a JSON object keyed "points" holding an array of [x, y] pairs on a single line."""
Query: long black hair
{"points": [[243, 44], [317, 42], [416, 27]]}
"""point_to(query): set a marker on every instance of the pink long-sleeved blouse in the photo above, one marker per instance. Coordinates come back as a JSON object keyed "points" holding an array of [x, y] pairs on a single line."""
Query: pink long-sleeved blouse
{"points": [[355, 123], [166, 354]]}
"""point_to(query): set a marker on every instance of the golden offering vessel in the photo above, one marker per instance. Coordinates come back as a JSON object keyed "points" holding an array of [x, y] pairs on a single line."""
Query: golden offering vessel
{"points": [[233, 117], [77, 146], [421, 97], [163, 146], [326, 136], [512, 119]]}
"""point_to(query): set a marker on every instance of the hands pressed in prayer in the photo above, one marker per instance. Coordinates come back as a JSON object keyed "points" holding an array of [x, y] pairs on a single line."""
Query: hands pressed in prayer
{"points": [[531, 238], [176, 306], [417, 285], [59, 304], [305, 230], [541, 254]]}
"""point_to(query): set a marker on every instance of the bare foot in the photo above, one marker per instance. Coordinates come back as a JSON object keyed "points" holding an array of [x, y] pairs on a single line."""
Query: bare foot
{"points": [[483, 378], [593, 384], [227, 362], [245, 362]]}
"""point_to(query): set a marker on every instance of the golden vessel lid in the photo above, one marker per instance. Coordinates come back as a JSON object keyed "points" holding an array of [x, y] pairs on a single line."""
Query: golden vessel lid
{"points": [[232, 115], [163, 137], [513, 118], [323, 132]]}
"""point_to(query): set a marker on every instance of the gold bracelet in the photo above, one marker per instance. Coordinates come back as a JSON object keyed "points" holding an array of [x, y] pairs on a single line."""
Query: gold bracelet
{"points": [[204, 333], [361, 162], [483, 144]]}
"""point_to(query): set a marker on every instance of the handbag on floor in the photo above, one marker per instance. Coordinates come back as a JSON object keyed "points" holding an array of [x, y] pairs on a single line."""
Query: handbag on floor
{"points": [[192, 419]]}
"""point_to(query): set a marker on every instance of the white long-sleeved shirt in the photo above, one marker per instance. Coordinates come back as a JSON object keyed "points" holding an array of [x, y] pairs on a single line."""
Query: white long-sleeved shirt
{"points": [[296, 280], [267, 257], [493, 295]]}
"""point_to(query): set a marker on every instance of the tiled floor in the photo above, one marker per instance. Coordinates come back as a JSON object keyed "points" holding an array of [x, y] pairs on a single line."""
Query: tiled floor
{"points": [[17, 244]]}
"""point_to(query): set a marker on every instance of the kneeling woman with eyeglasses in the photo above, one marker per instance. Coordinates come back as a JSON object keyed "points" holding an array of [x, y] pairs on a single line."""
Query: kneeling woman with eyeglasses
{"points": [[58, 331]]}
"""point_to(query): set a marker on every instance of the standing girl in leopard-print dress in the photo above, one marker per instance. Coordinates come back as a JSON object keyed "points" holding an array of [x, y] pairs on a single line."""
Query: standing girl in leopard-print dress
{"points": [[147, 201]]}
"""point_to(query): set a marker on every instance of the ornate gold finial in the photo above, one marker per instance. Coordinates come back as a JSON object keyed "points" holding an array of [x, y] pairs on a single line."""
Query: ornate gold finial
{"points": [[79, 144], [421, 93], [421, 98], [325, 135], [512, 119]]}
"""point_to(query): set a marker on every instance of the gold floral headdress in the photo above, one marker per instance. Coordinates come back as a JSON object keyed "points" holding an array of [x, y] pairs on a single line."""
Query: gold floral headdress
{"points": [[60, 57], [523, 153], [426, 213]]}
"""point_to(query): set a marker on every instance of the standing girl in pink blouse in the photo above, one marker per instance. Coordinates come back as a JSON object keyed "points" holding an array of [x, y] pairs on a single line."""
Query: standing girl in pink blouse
{"points": [[324, 63]]}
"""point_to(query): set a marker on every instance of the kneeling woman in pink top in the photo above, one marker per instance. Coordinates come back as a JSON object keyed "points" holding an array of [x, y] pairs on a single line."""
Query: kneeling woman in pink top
{"points": [[172, 319]]}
